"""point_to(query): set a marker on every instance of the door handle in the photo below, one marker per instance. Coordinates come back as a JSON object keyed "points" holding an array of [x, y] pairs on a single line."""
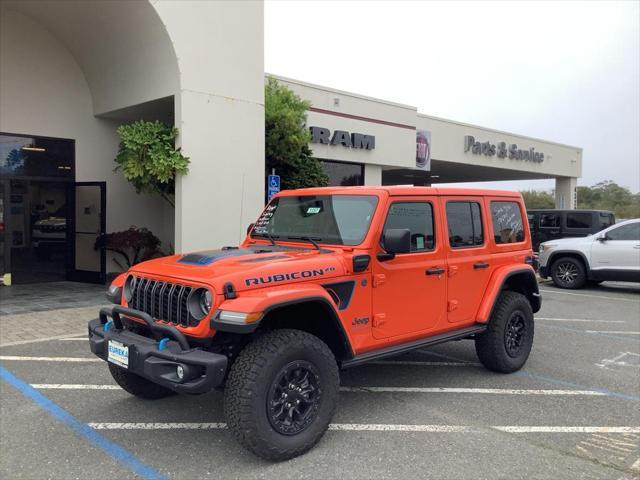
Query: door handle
{"points": [[478, 265], [435, 271]]}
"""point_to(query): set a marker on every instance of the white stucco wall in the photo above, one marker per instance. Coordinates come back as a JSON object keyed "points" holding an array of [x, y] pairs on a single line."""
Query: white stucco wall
{"points": [[43, 91], [220, 114]]}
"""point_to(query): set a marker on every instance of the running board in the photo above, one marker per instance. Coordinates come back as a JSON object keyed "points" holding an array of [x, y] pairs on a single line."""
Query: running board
{"points": [[407, 347]]}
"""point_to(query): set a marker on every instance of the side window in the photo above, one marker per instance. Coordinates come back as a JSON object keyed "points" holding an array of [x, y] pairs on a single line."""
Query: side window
{"points": [[579, 220], [631, 231], [549, 220], [418, 218], [507, 222], [606, 220], [465, 224]]}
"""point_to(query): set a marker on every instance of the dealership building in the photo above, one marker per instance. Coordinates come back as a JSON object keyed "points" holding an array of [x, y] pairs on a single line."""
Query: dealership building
{"points": [[71, 72]]}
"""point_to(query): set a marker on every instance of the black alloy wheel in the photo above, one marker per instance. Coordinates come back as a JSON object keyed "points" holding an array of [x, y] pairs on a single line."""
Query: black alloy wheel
{"points": [[514, 334], [294, 398]]}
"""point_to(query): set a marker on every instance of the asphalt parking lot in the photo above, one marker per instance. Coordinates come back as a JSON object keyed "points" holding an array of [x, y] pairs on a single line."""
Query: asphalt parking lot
{"points": [[572, 412]]}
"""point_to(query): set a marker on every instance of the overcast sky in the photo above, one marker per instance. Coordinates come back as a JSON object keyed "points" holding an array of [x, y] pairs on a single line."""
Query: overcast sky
{"points": [[567, 72]]}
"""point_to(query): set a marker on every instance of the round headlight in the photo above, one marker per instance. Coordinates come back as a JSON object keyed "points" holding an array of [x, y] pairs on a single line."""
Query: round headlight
{"points": [[206, 301], [129, 288], [200, 302]]}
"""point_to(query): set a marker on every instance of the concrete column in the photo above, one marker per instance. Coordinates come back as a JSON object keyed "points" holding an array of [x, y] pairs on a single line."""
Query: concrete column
{"points": [[372, 174], [566, 193]]}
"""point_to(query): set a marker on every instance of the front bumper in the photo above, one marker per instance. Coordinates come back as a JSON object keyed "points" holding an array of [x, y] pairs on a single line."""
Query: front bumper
{"points": [[157, 361]]}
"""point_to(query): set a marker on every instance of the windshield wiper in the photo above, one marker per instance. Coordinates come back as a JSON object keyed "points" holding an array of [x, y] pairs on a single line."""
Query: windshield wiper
{"points": [[307, 239], [266, 235]]}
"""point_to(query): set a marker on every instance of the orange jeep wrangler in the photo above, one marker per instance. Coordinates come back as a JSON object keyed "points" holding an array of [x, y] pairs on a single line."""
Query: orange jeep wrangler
{"points": [[326, 279]]}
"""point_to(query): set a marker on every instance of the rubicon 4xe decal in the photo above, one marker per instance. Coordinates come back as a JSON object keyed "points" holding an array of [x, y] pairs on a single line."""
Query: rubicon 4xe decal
{"points": [[281, 277]]}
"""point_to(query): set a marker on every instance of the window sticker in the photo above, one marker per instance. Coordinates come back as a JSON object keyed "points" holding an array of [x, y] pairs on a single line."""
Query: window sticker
{"points": [[420, 243], [313, 210]]}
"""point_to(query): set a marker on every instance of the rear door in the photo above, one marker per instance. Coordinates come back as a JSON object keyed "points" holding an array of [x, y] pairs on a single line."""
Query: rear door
{"points": [[468, 256], [578, 224], [409, 291]]}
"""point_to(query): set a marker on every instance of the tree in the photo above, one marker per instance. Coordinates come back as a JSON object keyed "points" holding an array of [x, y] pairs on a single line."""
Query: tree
{"points": [[608, 195], [537, 199], [287, 139], [148, 158]]}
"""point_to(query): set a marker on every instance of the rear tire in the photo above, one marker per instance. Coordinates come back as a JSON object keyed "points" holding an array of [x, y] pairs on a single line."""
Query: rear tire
{"points": [[281, 394], [506, 343], [568, 272], [138, 386]]}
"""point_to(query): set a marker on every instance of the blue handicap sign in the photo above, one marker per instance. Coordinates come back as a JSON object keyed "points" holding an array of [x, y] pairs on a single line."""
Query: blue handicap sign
{"points": [[273, 185]]}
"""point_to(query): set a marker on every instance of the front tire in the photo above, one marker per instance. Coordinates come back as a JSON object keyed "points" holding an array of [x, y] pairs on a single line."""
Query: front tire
{"points": [[281, 394], [138, 386], [505, 346], [568, 272]]}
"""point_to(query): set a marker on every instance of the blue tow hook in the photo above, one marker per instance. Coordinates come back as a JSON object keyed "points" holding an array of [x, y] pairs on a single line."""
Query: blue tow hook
{"points": [[108, 325], [162, 344]]}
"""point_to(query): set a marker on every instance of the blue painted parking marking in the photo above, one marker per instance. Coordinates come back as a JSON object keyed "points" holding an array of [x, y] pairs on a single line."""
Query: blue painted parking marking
{"points": [[112, 449]]}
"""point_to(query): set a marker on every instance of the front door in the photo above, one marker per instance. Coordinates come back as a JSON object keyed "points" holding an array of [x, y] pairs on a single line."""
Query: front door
{"points": [[468, 257], [410, 290], [620, 251], [87, 260]]}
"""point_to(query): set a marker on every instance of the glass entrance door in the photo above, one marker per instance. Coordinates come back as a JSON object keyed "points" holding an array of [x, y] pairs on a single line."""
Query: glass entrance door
{"points": [[88, 262]]}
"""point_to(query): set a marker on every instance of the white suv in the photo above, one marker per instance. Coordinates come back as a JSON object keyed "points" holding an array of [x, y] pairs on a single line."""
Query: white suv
{"points": [[612, 254]]}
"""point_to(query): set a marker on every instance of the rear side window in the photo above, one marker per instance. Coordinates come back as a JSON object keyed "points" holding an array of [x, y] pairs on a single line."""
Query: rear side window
{"points": [[418, 218], [606, 220], [465, 224], [579, 220], [507, 222], [630, 231], [549, 220]]}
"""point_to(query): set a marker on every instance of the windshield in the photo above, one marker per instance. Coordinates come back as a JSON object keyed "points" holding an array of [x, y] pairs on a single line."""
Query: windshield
{"points": [[332, 219]]}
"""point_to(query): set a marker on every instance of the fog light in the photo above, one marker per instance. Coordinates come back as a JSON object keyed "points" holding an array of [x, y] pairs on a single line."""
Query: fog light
{"points": [[180, 372]]}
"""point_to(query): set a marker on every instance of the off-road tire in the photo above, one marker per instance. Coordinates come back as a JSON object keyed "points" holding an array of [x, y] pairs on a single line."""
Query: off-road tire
{"points": [[138, 386], [254, 375], [560, 274], [492, 346]]}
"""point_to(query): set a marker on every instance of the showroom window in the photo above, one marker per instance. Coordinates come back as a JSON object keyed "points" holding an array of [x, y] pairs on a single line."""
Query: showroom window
{"points": [[342, 174]]}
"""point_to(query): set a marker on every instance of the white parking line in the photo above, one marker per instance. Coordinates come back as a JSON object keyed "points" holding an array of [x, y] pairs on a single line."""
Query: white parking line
{"points": [[577, 320], [41, 340], [48, 359], [493, 391], [617, 299], [74, 339], [376, 427], [73, 386], [636, 465], [617, 332]]}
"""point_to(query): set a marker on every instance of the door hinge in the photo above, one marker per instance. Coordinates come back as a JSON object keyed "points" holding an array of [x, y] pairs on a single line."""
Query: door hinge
{"points": [[452, 305], [452, 271], [379, 319], [379, 279]]}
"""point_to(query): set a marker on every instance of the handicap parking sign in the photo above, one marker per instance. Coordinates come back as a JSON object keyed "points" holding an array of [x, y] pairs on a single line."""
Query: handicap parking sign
{"points": [[273, 185]]}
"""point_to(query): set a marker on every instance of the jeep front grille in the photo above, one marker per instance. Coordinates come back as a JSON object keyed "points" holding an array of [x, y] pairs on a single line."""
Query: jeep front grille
{"points": [[163, 301]]}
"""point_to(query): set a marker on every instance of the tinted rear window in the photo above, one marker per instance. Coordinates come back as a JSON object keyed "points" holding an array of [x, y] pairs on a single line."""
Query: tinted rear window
{"points": [[507, 222], [579, 220]]}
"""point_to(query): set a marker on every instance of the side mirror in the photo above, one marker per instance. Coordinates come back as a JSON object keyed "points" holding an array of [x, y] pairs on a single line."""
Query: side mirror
{"points": [[249, 228], [603, 238], [394, 241]]}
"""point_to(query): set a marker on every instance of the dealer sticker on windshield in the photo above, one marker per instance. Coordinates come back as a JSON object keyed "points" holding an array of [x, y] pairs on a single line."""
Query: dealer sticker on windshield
{"points": [[118, 354], [313, 210]]}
